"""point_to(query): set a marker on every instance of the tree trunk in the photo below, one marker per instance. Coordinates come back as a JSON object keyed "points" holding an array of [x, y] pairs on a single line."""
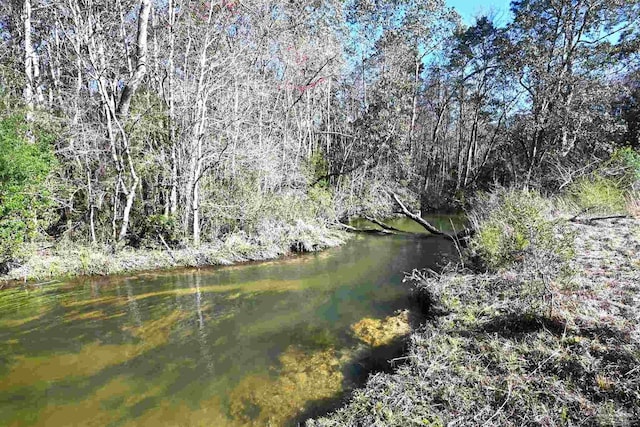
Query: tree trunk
{"points": [[141, 60], [122, 110], [29, 60], [173, 198]]}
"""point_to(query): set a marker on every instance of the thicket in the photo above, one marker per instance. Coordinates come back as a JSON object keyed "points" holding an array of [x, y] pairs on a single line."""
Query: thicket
{"points": [[248, 116], [27, 162]]}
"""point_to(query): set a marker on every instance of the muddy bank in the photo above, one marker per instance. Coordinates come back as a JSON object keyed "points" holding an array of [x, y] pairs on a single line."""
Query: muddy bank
{"points": [[498, 351]]}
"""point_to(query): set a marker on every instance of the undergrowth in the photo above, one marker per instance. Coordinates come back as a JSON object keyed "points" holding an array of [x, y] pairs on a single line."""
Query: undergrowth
{"points": [[597, 194], [546, 334], [487, 357], [271, 240], [608, 190], [514, 225]]}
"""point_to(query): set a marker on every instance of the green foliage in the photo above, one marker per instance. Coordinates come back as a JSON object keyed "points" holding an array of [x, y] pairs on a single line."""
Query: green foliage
{"points": [[321, 202], [24, 197], [508, 223], [319, 168], [609, 189], [629, 160], [162, 225], [597, 193]]}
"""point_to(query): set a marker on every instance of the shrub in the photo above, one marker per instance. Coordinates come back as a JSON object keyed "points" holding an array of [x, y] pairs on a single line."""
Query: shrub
{"points": [[166, 226], [627, 161], [598, 193], [512, 223], [318, 169], [24, 197]]}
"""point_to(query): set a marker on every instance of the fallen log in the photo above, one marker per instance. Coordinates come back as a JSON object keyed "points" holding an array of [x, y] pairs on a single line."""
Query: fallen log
{"points": [[465, 233], [596, 218], [381, 224], [352, 229], [423, 222]]}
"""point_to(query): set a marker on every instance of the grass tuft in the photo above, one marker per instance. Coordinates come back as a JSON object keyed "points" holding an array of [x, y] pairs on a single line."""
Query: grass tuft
{"points": [[597, 194]]}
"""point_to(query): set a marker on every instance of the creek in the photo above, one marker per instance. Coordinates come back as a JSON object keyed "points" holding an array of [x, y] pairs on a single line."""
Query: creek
{"points": [[254, 344]]}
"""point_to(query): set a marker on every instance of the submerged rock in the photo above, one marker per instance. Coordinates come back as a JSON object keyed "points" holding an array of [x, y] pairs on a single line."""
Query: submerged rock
{"points": [[274, 400], [379, 332]]}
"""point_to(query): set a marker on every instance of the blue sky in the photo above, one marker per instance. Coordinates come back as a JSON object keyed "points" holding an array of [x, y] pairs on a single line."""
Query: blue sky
{"points": [[470, 8]]}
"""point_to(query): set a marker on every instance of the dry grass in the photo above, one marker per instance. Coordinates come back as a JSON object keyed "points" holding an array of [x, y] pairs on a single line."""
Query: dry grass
{"points": [[68, 259]]}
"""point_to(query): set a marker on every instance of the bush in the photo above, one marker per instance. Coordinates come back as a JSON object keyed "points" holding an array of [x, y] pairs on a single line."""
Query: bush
{"points": [[627, 160], [24, 196], [512, 223], [166, 226], [598, 193]]}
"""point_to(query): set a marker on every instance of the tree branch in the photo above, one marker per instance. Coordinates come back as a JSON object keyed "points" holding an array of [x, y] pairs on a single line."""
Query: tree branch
{"points": [[417, 218]]}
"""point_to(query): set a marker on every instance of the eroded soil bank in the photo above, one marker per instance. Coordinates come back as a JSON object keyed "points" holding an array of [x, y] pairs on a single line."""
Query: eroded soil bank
{"points": [[497, 352]]}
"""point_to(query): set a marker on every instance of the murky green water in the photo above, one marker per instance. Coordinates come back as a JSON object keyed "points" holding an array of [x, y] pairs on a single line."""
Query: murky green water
{"points": [[255, 344]]}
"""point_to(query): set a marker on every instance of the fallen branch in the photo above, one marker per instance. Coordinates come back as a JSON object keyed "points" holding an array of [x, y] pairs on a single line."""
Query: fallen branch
{"points": [[381, 224], [423, 222], [167, 247], [575, 217], [365, 230], [597, 218]]}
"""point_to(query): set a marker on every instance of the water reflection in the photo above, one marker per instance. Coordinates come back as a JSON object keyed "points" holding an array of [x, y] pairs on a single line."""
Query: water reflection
{"points": [[247, 345]]}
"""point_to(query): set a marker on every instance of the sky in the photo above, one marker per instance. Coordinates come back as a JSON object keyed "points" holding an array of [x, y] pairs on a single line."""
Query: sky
{"points": [[468, 9]]}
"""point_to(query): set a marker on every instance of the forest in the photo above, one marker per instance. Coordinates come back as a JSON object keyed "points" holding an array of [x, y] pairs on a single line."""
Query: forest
{"points": [[177, 123], [488, 171]]}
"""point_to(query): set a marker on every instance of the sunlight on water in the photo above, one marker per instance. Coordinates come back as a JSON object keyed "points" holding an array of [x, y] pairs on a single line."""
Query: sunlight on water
{"points": [[258, 344]]}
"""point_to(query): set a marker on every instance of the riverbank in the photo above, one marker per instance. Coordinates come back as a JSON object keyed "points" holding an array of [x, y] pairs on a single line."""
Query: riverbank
{"points": [[498, 352], [65, 260]]}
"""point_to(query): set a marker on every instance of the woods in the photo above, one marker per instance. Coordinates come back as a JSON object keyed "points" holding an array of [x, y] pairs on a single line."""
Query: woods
{"points": [[176, 123]]}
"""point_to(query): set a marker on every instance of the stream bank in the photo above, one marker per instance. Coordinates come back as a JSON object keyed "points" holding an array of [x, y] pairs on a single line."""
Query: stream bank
{"points": [[494, 353], [64, 260]]}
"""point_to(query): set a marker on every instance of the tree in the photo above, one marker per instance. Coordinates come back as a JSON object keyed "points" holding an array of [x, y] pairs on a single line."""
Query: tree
{"points": [[561, 51]]}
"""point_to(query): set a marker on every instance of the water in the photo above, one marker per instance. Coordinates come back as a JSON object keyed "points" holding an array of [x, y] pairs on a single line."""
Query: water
{"points": [[256, 344]]}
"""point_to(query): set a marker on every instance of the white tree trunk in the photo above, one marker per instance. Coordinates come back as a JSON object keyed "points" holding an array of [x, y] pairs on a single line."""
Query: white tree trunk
{"points": [[29, 60]]}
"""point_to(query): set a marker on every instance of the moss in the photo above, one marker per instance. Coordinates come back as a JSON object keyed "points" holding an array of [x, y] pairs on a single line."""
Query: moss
{"points": [[379, 332], [303, 377]]}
